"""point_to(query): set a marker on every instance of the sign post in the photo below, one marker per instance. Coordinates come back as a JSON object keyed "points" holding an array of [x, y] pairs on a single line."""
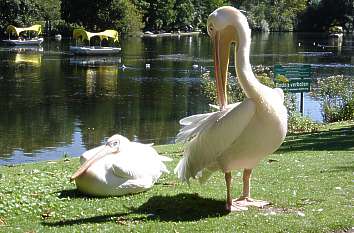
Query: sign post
{"points": [[294, 78]]}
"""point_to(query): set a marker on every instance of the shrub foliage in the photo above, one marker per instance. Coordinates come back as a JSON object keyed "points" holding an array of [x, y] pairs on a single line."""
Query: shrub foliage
{"points": [[337, 96]]}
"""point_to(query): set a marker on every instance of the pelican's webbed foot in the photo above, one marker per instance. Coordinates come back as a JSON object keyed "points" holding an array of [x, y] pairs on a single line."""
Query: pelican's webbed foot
{"points": [[242, 203], [234, 207], [245, 202]]}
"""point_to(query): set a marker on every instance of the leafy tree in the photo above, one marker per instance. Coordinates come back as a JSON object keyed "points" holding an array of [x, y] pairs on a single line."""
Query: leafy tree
{"points": [[102, 14], [257, 17], [283, 14], [161, 15], [18, 13], [184, 14], [278, 15], [122, 15], [141, 5], [81, 12], [319, 16], [49, 9], [209, 7], [50, 13]]}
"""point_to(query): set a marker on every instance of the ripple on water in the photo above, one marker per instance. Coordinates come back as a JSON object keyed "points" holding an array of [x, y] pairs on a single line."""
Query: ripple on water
{"points": [[314, 54], [333, 65]]}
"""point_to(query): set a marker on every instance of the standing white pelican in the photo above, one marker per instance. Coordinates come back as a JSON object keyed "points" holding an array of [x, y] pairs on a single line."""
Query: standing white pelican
{"points": [[119, 167], [239, 135]]}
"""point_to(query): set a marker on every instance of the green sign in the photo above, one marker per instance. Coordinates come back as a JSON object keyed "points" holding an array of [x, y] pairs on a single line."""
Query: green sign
{"points": [[293, 77], [295, 85]]}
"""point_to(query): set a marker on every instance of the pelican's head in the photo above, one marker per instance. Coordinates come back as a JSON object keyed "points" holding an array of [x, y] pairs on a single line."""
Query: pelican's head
{"points": [[114, 145], [225, 26], [117, 142]]}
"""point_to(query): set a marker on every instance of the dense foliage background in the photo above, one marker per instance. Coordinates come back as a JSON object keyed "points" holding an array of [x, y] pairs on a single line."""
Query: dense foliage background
{"points": [[133, 16]]}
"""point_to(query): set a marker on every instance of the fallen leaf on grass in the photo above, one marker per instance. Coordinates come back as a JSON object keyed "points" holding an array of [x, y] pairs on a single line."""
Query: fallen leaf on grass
{"points": [[301, 214], [272, 210], [305, 201], [167, 183], [126, 221], [46, 214], [2, 221], [121, 221], [272, 160]]}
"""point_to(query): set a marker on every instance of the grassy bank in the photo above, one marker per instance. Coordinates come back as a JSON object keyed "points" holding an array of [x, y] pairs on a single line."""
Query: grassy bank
{"points": [[309, 181]]}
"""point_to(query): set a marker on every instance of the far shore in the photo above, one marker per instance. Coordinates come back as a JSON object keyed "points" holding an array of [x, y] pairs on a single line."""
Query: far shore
{"points": [[170, 34]]}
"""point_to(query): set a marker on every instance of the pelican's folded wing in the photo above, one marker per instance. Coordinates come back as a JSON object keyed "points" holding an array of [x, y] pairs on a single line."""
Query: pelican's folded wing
{"points": [[212, 135], [194, 118], [192, 125], [124, 170]]}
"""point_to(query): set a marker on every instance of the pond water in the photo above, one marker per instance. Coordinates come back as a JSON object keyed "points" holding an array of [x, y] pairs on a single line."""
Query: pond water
{"points": [[54, 104]]}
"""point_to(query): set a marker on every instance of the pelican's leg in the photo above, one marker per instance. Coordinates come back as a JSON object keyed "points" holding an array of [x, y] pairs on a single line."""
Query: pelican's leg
{"points": [[245, 199], [246, 178], [230, 205]]}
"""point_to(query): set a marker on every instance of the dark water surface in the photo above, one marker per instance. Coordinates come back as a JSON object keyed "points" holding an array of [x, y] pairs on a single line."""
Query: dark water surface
{"points": [[52, 103]]}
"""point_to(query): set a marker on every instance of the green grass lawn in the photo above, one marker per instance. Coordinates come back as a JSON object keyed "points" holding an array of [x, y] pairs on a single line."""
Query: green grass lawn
{"points": [[309, 181]]}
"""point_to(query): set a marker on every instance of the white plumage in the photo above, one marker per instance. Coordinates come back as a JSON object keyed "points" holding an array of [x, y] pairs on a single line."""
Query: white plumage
{"points": [[239, 135], [122, 167]]}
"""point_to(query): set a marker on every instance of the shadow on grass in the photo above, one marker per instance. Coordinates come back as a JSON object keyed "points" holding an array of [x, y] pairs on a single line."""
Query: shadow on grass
{"points": [[338, 139], [72, 193], [75, 193], [79, 221], [182, 207], [344, 168]]}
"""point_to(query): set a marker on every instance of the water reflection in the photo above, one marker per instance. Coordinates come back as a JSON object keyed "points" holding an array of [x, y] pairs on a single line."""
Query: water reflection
{"points": [[99, 80], [52, 103], [94, 61]]}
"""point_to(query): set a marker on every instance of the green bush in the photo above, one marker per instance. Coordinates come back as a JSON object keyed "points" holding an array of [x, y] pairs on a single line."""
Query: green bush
{"points": [[301, 124], [337, 96]]}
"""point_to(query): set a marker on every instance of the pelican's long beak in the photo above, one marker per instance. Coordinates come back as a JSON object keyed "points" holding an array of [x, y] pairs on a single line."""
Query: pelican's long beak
{"points": [[221, 63], [99, 155]]}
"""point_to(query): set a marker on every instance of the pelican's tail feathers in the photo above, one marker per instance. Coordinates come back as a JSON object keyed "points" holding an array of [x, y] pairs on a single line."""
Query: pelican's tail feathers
{"points": [[193, 119], [163, 168], [204, 175], [192, 125], [182, 172]]}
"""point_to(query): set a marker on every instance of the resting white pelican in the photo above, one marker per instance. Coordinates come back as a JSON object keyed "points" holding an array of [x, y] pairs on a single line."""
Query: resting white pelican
{"points": [[239, 135], [119, 167]]}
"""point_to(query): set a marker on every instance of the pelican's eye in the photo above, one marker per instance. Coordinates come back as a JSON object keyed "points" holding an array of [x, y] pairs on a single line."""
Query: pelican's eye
{"points": [[113, 144], [210, 29]]}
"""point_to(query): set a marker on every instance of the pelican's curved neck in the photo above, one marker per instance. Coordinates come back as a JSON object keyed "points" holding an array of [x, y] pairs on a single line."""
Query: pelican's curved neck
{"points": [[247, 79]]}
